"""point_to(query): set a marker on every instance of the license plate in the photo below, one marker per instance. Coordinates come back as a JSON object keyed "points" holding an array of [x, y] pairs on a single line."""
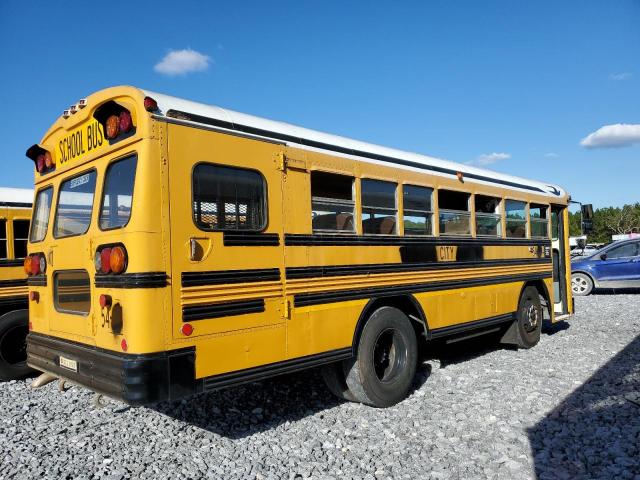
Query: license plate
{"points": [[69, 364]]}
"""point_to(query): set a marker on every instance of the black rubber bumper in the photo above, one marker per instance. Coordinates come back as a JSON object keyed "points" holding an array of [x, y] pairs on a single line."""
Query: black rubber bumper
{"points": [[134, 379]]}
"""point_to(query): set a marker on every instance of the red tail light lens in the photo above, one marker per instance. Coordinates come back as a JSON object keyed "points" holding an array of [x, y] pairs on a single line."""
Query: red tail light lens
{"points": [[125, 121], [105, 264], [150, 104], [117, 259], [112, 126], [40, 163], [35, 264], [187, 329], [105, 301]]}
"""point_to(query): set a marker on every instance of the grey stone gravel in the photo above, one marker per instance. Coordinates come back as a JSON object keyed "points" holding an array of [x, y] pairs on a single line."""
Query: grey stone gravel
{"points": [[568, 408]]}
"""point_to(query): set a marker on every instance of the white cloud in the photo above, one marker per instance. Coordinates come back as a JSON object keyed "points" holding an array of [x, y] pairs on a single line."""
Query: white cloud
{"points": [[489, 158], [621, 76], [181, 62], [551, 155], [613, 136]]}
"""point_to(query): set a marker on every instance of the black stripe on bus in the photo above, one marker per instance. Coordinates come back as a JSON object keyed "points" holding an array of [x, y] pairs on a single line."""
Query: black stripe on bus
{"points": [[15, 300], [226, 309], [15, 204], [274, 369], [218, 277], [22, 282], [368, 269], [293, 239], [37, 281], [468, 326], [132, 280], [247, 239], [338, 149], [304, 299], [11, 262]]}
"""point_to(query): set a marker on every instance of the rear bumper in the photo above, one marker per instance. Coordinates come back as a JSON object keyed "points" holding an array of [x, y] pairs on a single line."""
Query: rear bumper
{"points": [[134, 379]]}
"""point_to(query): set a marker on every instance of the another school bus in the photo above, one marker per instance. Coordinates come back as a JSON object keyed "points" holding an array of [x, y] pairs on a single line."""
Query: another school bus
{"points": [[183, 247], [15, 211]]}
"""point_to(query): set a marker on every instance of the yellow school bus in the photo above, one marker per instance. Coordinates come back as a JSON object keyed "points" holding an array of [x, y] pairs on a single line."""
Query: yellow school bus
{"points": [[15, 212], [180, 248]]}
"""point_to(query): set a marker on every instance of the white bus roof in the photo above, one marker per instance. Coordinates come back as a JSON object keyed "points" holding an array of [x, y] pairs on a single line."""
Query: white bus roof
{"points": [[21, 197], [198, 113]]}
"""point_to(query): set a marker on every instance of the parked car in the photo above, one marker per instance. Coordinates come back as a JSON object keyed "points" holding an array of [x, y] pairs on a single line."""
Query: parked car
{"points": [[614, 266]]}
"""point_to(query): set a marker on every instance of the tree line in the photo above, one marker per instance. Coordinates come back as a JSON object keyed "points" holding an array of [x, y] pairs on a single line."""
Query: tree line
{"points": [[608, 221]]}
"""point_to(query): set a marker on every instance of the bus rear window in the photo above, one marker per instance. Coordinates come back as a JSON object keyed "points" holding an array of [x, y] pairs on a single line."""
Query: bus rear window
{"points": [[41, 215], [75, 202], [117, 196]]}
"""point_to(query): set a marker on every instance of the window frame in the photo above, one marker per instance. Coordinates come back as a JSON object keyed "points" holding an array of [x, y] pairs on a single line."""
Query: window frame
{"points": [[448, 210], [5, 239], [431, 212], [501, 207], [395, 209], [265, 198], [35, 204], [353, 203], [13, 233], [527, 229], [93, 204], [102, 189]]}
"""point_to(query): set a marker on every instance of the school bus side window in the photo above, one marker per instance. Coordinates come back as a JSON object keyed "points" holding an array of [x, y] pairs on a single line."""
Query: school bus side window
{"points": [[417, 210], [117, 196], [3, 238], [378, 207], [20, 235], [228, 198], [41, 215], [332, 204], [516, 219], [539, 221]]}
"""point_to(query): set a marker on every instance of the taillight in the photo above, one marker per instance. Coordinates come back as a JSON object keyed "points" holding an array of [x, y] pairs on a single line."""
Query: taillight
{"points": [[150, 105], [27, 265], [117, 259], [112, 127], [125, 122], [111, 259], [105, 301], [43, 159], [35, 264]]}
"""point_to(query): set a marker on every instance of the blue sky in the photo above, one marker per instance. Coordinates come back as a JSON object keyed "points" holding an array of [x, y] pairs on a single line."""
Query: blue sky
{"points": [[517, 83]]}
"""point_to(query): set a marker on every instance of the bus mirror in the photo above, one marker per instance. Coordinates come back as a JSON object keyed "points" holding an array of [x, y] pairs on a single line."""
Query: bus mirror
{"points": [[587, 218], [581, 242]]}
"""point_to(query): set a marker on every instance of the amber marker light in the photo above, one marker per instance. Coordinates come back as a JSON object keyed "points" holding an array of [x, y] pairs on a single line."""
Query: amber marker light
{"points": [[48, 160], [117, 259], [112, 126], [27, 265]]}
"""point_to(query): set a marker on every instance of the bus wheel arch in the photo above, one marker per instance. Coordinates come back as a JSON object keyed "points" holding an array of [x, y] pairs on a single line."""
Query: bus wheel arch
{"points": [[543, 291], [407, 304]]}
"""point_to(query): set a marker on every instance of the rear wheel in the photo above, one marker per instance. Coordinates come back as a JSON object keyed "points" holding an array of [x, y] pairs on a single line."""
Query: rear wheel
{"points": [[581, 284], [382, 372], [529, 318], [14, 327]]}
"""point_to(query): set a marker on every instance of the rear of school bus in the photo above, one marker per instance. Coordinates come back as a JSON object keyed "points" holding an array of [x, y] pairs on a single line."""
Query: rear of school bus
{"points": [[99, 293]]}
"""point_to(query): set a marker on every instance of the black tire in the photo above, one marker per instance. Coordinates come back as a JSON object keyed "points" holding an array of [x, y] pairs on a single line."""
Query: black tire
{"points": [[581, 284], [333, 376], [382, 372], [529, 318], [14, 327]]}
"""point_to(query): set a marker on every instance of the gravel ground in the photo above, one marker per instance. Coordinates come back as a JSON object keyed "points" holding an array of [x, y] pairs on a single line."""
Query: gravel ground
{"points": [[568, 408]]}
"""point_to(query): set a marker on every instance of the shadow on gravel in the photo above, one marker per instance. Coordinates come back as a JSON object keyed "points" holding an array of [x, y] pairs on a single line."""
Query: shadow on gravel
{"points": [[459, 352], [595, 431], [549, 328], [614, 291], [242, 411]]}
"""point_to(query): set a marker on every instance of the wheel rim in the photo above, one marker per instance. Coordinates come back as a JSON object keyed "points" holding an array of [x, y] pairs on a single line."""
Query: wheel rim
{"points": [[579, 284], [389, 355], [532, 317], [13, 348]]}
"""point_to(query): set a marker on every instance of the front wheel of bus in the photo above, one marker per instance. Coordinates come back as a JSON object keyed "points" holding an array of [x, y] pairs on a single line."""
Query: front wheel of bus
{"points": [[529, 318], [14, 327], [382, 372]]}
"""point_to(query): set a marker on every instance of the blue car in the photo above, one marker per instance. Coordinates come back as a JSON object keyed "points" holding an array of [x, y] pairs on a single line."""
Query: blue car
{"points": [[614, 266]]}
